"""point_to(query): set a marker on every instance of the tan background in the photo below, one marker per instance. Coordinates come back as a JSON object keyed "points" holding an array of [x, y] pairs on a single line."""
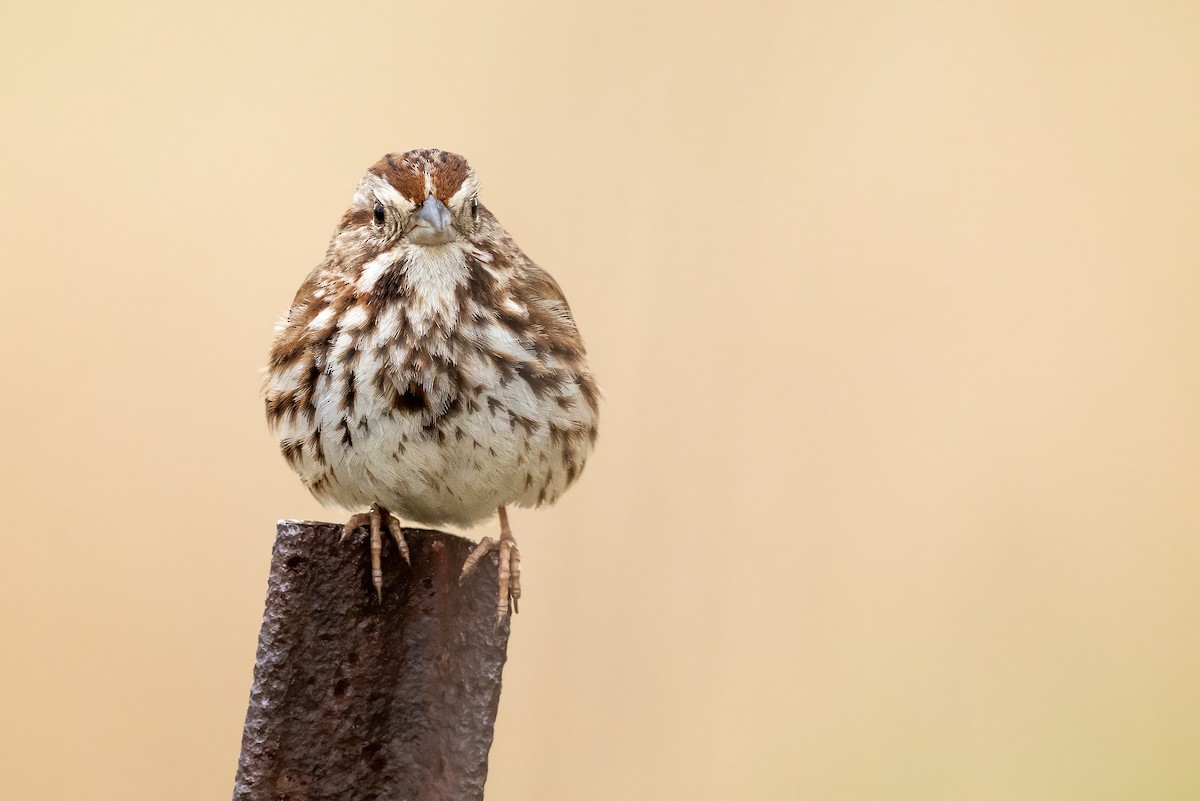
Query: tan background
{"points": [[896, 312]]}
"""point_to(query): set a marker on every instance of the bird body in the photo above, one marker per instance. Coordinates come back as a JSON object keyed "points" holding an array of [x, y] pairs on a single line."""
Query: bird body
{"points": [[441, 381], [428, 366]]}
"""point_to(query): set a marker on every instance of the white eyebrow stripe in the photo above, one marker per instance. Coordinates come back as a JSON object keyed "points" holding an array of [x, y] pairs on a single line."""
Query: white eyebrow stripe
{"points": [[374, 187], [469, 187]]}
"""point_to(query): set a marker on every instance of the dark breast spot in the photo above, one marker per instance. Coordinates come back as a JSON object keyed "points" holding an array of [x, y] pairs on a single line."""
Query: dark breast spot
{"points": [[412, 400]]}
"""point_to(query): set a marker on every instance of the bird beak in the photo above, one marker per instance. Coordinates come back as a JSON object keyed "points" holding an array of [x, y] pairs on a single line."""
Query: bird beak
{"points": [[432, 224]]}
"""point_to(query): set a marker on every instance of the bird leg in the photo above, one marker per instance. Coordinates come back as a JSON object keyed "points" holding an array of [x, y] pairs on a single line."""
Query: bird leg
{"points": [[378, 518], [510, 566]]}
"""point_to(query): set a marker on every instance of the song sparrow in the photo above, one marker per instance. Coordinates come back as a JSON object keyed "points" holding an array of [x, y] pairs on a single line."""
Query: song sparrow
{"points": [[428, 368]]}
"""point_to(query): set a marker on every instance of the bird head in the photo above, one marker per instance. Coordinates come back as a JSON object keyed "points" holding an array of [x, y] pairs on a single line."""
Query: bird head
{"points": [[429, 197]]}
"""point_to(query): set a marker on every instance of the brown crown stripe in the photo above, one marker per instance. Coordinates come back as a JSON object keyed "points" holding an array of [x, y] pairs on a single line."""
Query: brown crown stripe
{"points": [[406, 172]]}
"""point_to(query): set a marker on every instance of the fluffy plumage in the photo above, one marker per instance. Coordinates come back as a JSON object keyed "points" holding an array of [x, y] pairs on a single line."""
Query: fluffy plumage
{"points": [[428, 365]]}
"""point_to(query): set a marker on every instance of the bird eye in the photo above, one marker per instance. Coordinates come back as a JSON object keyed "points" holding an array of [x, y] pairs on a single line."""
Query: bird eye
{"points": [[474, 208], [378, 213]]}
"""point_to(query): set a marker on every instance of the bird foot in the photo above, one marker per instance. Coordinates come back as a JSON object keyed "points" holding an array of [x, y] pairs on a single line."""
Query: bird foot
{"points": [[378, 518], [510, 567]]}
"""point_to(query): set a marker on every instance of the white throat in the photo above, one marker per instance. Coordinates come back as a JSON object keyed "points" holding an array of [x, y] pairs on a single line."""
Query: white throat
{"points": [[433, 274]]}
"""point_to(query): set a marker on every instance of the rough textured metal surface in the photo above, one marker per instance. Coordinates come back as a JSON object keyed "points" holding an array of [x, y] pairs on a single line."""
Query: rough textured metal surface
{"points": [[353, 699]]}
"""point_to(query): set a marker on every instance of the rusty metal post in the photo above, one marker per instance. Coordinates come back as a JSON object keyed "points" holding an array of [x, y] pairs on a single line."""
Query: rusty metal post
{"points": [[357, 700]]}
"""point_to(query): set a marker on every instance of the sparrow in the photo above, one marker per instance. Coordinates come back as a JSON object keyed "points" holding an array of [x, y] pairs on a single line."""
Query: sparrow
{"points": [[428, 370]]}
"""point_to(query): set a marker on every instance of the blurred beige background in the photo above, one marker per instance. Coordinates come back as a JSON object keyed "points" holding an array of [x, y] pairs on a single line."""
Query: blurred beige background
{"points": [[895, 306]]}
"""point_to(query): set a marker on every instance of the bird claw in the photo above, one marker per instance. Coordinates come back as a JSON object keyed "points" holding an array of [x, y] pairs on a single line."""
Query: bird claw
{"points": [[378, 518], [509, 572]]}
